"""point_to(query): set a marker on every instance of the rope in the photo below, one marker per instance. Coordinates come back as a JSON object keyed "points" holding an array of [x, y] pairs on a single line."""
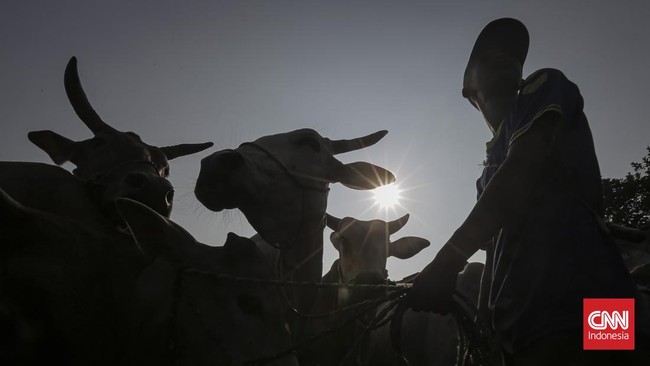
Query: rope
{"points": [[377, 322], [474, 336], [372, 304], [401, 288], [290, 283]]}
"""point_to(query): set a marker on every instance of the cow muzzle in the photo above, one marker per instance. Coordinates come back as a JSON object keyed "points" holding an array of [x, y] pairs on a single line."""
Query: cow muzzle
{"points": [[151, 190], [215, 187]]}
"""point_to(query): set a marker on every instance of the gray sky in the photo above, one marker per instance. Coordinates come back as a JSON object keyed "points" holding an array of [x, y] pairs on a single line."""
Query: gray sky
{"points": [[233, 71]]}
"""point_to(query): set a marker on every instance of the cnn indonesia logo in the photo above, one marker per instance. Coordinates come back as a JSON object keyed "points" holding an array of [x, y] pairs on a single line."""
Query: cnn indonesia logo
{"points": [[608, 324]]}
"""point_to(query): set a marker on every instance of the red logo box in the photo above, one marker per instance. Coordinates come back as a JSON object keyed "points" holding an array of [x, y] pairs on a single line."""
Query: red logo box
{"points": [[608, 324]]}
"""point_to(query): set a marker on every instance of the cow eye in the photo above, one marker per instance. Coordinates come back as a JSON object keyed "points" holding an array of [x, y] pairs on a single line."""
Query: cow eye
{"points": [[311, 142]]}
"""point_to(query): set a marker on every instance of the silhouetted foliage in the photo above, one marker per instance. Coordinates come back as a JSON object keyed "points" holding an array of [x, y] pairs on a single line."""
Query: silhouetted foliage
{"points": [[627, 200]]}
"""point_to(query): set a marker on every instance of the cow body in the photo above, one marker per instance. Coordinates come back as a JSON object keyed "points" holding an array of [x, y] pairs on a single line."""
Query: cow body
{"points": [[429, 339], [209, 320], [363, 247], [424, 338], [52, 189], [62, 289], [67, 295]]}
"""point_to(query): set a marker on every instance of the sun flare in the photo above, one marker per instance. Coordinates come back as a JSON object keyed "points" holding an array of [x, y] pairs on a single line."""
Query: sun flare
{"points": [[387, 196]]}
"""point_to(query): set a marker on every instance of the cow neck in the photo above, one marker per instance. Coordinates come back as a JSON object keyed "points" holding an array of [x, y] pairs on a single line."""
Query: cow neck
{"points": [[306, 231], [180, 291], [307, 239], [196, 311], [309, 268], [307, 247], [307, 243], [310, 248], [344, 285]]}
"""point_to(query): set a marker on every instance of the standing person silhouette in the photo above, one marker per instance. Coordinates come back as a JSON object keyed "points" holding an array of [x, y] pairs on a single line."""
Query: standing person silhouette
{"points": [[539, 200]]}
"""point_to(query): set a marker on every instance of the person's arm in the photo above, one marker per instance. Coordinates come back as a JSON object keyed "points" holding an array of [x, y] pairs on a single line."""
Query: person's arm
{"points": [[506, 195], [503, 199]]}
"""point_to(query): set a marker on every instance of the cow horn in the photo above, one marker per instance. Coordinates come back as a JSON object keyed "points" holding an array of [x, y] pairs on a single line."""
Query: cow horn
{"points": [[172, 152], [332, 222], [79, 101], [395, 225], [342, 146]]}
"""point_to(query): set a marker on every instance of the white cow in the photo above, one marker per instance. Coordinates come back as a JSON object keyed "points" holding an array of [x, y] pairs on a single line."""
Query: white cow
{"points": [[281, 182], [364, 246]]}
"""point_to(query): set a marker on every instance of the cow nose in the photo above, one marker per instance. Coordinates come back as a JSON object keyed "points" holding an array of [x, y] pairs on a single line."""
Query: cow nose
{"points": [[165, 196], [169, 197], [151, 190]]}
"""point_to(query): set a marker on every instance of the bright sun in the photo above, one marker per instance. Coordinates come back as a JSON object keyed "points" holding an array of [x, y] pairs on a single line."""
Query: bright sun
{"points": [[387, 196]]}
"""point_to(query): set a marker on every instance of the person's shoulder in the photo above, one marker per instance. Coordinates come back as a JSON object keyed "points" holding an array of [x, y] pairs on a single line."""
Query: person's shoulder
{"points": [[542, 77]]}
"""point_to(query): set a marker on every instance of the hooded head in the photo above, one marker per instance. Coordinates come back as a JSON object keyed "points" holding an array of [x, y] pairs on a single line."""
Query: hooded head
{"points": [[493, 73]]}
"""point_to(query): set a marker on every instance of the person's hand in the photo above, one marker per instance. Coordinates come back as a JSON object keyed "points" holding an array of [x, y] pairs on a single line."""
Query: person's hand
{"points": [[433, 288]]}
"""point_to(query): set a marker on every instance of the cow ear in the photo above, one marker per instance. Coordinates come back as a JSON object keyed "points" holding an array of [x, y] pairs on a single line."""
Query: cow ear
{"points": [[362, 176], [154, 235], [332, 222], [335, 239], [237, 247], [59, 148], [407, 247]]}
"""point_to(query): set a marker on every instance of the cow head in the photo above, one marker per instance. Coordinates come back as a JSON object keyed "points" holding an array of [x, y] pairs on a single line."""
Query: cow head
{"points": [[280, 182], [117, 164], [364, 247], [215, 321]]}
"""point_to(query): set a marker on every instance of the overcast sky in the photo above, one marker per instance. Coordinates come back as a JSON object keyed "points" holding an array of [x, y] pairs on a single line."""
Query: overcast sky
{"points": [[233, 71]]}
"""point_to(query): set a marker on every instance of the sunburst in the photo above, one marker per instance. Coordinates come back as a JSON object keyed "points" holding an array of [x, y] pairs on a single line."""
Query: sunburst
{"points": [[388, 196]]}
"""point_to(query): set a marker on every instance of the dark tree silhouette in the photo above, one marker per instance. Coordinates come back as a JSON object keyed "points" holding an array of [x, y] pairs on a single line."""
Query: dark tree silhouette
{"points": [[627, 200]]}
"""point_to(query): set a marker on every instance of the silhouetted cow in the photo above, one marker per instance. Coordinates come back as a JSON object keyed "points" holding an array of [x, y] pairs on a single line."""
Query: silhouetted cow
{"points": [[186, 314], [280, 183], [67, 297], [364, 246], [429, 339], [110, 165], [55, 295]]}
